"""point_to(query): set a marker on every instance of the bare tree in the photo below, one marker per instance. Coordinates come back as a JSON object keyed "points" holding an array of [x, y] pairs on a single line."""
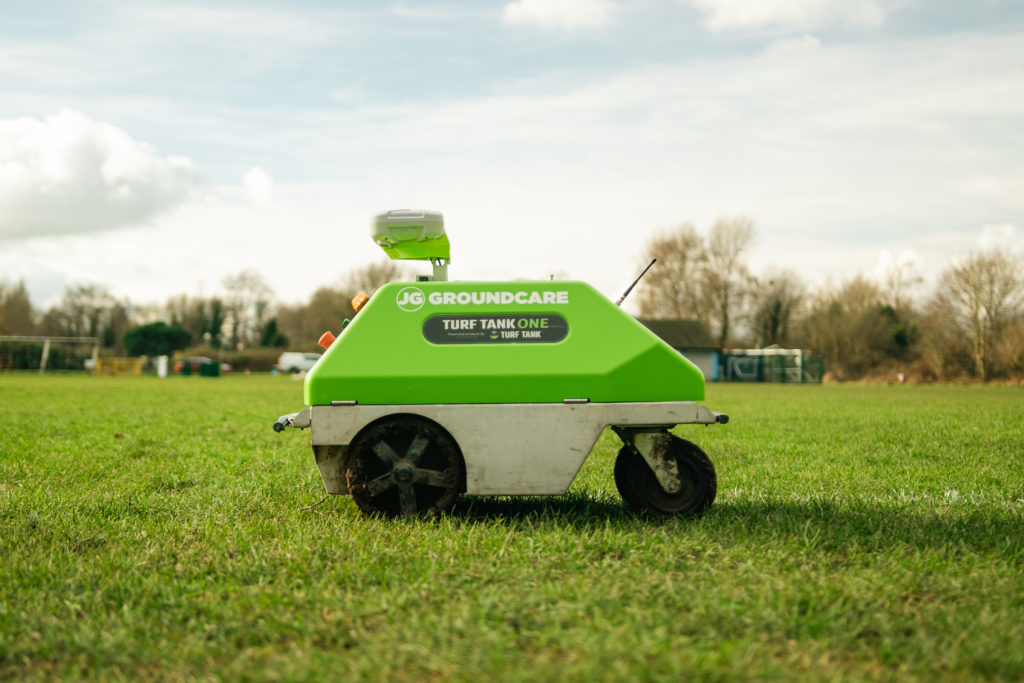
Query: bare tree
{"points": [[248, 298], [303, 324], [188, 313], [1009, 351], [775, 298], [116, 325], [900, 282], [16, 315], [979, 296], [371, 277], [89, 311], [725, 275], [215, 318], [81, 312], [701, 281], [849, 327], [672, 288]]}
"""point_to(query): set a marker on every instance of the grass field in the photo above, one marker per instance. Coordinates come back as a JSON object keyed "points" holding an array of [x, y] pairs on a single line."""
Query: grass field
{"points": [[159, 529]]}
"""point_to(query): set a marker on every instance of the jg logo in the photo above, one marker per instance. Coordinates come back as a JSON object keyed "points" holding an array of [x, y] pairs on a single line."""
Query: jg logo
{"points": [[410, 299]]}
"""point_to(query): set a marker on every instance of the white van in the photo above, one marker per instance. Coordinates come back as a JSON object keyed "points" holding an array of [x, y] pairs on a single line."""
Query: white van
{"points": [[293, 361]]}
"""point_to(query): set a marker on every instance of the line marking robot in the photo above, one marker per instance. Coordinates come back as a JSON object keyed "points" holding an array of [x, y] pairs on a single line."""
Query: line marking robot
{"points": [[438, 388]]}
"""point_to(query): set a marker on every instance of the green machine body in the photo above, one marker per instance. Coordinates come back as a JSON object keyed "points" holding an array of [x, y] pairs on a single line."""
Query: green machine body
{"points": [[498, 342]]}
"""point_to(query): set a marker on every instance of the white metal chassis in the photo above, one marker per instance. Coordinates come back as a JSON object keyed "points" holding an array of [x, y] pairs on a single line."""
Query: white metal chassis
{"points": [[508, 448]]}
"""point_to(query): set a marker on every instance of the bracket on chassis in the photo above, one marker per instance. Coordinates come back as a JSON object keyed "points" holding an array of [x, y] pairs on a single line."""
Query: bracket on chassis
{"points": [[653, 444]]}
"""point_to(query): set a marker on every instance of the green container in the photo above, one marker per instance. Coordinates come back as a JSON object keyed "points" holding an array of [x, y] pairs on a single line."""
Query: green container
{"points": [[209, 370]]}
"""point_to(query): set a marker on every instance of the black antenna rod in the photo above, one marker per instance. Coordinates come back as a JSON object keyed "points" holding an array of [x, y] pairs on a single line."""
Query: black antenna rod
{"points": [[630, 288]]}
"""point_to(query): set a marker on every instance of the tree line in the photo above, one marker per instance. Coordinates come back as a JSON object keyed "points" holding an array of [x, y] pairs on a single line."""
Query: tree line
{"points": [[970, 325], [236, 323]]}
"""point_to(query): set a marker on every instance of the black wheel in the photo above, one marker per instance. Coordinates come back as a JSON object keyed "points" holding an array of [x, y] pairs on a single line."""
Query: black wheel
{"points": [[405, 466], [641, 491], [624, 466]]}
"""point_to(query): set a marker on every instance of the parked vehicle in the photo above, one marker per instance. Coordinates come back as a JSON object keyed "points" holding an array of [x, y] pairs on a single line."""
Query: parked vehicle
{"points": [[293, 361]]}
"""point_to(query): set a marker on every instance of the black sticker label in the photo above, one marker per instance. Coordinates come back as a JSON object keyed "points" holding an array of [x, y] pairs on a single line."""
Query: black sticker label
{"points": [[532, 328]]}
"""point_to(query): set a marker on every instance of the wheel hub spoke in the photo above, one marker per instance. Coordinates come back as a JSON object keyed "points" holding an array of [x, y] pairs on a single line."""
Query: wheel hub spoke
{"points": [[381, 484], [431, 478], [416, 448], [407, 497], [385, 453]]}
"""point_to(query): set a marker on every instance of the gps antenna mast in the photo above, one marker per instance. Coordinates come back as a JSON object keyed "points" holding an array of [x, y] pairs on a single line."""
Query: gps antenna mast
{"points": [[630, 288]]}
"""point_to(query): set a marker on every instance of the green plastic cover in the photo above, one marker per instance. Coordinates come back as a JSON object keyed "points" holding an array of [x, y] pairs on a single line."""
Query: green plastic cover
{"points": [[498, 342], [425, 250]]}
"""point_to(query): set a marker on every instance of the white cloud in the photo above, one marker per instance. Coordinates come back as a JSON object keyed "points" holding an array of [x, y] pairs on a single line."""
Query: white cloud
{"points": [[68, 174], [1001, 236], [561, 14], [802, 45], [235, 24], [906, 258], [259, 186], [905, 267], [798, 15]]}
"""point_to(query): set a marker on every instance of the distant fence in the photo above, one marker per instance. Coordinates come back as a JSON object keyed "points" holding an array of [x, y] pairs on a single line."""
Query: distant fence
{"points": [[772, 365]]}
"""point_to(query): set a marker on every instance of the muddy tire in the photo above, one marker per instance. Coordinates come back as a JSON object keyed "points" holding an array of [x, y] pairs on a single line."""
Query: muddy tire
{"points": [[641, 491], [624, 478], [403, 466]]}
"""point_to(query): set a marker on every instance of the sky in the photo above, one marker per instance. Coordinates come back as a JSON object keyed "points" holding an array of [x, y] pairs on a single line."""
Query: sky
{"points": [[155, 148]]}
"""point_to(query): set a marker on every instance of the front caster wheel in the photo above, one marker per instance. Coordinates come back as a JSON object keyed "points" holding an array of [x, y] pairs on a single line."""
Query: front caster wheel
{"points": [[641, 491], [403, 466]]}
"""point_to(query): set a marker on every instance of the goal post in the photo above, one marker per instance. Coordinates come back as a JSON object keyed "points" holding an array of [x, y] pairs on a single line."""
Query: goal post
{"points": [[48, 340]]}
